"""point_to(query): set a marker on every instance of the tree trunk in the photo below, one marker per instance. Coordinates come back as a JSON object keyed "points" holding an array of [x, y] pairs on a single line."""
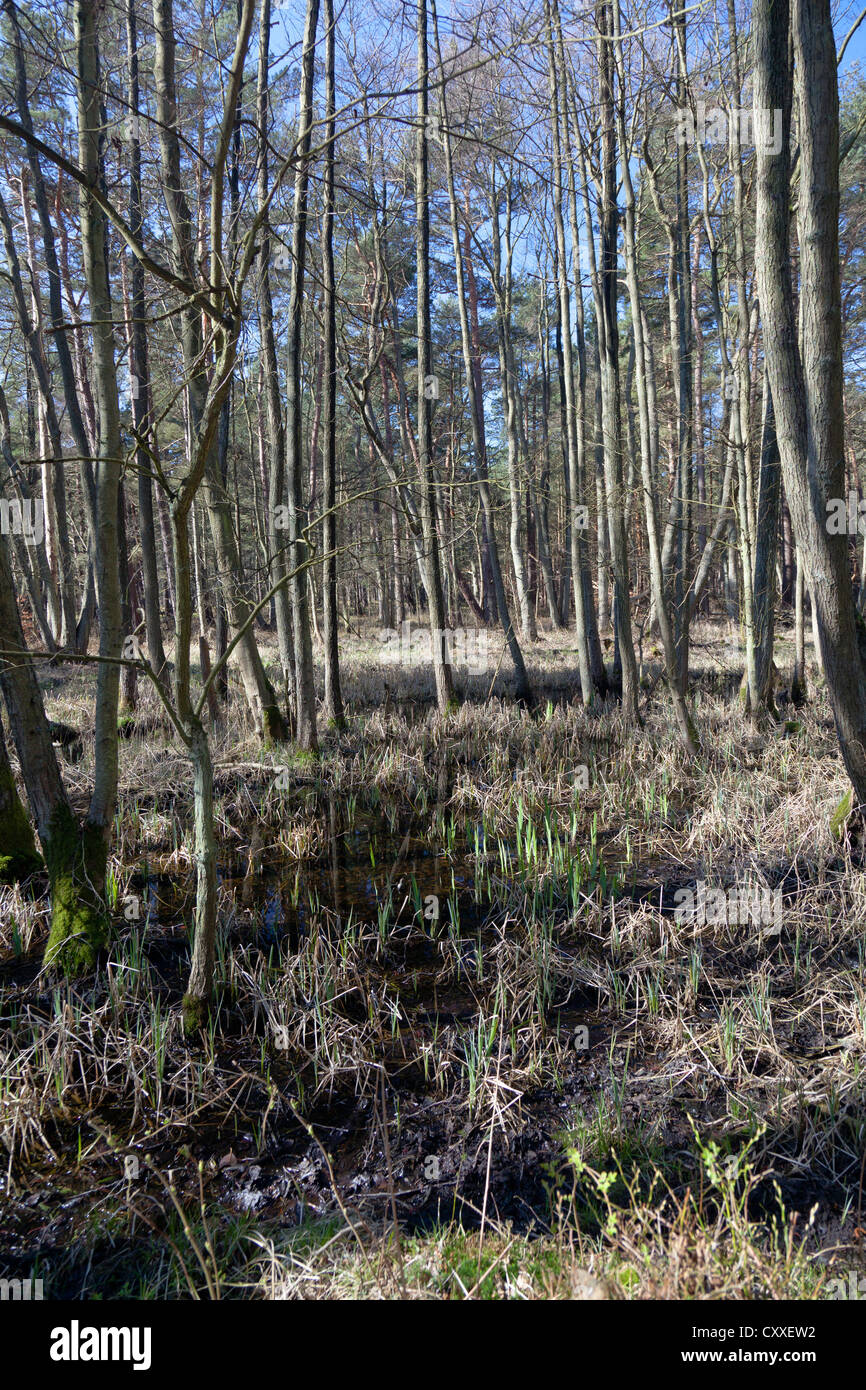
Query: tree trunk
{"points": [[767, 540], [139, 368], [260, 695], [572, 423], [19, 857], [472, 368], [299, 551], [807, 392], [333, 692], [688, 734], [442, 669], [511, 401], [609, 352]]}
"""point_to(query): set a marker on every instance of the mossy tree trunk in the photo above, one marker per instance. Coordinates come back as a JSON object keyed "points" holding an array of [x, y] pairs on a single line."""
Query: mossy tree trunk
{"points": [[19, 856], [86, 871], [74, 857]]}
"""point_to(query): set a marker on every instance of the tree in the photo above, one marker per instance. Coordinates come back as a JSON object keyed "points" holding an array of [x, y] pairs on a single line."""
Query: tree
{"points": [[428, 385], [805, 374]]}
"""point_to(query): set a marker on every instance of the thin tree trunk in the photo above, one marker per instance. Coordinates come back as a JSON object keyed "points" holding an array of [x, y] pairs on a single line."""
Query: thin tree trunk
{"points": [[299, 551], [442, 669], [659, 596], [572, 422], [511, 401], [609, 352], [333, 693], [139, 367], [273, 407], [259, 693], [766, 546]]}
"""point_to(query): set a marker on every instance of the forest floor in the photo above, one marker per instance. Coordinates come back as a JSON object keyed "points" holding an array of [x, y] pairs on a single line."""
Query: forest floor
{"points": [[466, 1044]]}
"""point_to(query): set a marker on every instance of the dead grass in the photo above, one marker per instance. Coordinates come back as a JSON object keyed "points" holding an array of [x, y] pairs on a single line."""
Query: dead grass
{"points": [[708, 1143]]}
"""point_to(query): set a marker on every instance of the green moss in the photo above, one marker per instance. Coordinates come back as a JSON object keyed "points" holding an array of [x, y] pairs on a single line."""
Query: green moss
{"points": [[14, 868], [273, 725], [799, 694], [76, 859], [195, 1013], [20, 856], [841, 813]]}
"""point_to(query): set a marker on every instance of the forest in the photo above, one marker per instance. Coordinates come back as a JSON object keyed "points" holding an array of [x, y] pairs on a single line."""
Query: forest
{"points": [[432, 651]]}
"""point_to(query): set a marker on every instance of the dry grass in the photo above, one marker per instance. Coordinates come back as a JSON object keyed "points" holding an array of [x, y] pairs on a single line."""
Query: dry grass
{"points": [[708, 1143]]}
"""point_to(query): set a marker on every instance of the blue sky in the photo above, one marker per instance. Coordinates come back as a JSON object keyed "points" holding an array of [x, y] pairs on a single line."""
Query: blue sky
{"points": [[855, 53]]}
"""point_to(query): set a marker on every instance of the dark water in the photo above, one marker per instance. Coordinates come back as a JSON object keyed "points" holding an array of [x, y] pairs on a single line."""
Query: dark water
{"points": [[368, 866]]}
